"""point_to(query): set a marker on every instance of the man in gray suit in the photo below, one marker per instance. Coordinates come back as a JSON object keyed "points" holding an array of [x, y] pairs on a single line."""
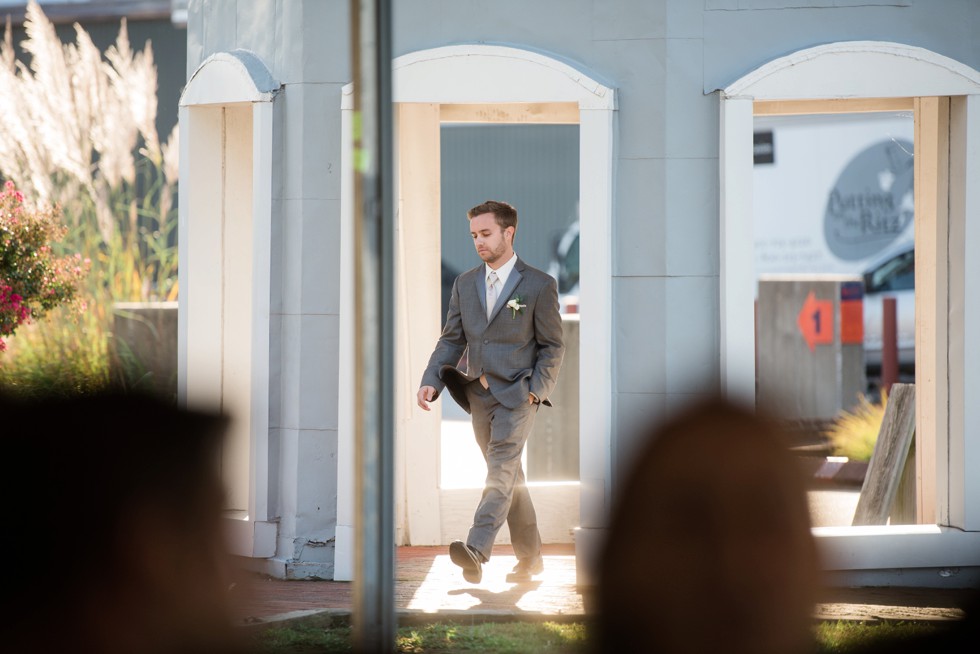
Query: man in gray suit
{"points": [[504, 315]]}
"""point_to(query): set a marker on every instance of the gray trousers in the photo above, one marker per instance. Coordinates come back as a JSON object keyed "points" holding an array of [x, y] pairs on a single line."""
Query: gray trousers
{"points": [[501, 434]]}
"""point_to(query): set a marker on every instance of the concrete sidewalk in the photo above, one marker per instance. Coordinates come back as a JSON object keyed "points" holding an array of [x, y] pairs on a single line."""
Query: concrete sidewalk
{"points": [[429, 588]]}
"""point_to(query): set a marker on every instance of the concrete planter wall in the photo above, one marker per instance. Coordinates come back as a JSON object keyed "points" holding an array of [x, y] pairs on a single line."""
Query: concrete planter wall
{"points": [[143, 348], [836, 471], [553, 447]]}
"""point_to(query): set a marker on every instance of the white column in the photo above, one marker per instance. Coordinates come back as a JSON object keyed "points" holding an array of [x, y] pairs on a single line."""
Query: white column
{"points": [[418, 305], [183, 238], [959, 498], [262, 114], [343, 564], [932, 193], [966, 479], [737, 248], [200, 233], [236, 277], [597, 130]]}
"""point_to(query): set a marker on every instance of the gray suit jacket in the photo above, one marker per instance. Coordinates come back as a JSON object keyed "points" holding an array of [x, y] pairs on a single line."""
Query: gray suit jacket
{"points": [[519, 354]]}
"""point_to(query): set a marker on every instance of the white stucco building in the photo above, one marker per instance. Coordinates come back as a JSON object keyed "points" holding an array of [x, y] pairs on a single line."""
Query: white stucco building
{"points": [[663, 93]]}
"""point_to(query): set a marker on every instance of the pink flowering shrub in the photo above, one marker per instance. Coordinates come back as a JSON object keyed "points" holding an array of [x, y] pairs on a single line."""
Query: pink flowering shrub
{"points": [[32, 279]]}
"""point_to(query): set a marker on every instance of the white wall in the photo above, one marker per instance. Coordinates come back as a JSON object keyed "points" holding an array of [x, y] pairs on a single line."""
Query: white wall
{"points": [[663, 58], [305, 46]]}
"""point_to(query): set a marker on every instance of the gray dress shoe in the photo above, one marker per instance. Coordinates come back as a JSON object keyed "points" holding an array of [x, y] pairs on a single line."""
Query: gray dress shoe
{"points": [[468, 559], [526, 568]]}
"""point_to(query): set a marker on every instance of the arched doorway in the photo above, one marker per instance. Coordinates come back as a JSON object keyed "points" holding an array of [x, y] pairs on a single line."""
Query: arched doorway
{"points": [[946, 97], [516, 85], [225, 226]]}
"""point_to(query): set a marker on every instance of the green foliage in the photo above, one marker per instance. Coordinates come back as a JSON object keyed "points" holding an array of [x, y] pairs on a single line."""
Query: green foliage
{"points": [[854, 433], [138, 261]]}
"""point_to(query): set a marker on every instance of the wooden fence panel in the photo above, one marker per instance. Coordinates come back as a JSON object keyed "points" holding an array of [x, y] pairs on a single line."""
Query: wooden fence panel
{"points": [[888, 461]]}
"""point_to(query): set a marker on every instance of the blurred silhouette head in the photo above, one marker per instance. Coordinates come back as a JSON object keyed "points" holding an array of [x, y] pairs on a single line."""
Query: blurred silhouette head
{"points": [[116, 503], [709, 548]]}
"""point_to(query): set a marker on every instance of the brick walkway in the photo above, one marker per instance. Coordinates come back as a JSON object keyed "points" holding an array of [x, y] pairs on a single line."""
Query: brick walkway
{"points": [[429, 587], [427, 582], [893, 604]]}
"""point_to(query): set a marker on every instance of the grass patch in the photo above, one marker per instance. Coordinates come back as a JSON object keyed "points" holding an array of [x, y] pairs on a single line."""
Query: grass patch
{"points": [[855, 636], [303, 638], [65, 354], [438, 638], [528, 637]]}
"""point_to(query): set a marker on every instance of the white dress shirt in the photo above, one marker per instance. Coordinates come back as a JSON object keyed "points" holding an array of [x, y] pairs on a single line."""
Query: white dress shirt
{"points": [[503, 272]]}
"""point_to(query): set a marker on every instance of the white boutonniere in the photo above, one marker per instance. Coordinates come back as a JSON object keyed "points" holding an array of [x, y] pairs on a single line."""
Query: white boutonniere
{"points": [[515, 306]]}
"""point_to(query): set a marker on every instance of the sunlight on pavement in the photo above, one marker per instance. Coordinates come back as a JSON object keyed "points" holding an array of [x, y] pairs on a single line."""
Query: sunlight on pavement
{"points": [[553, 591], [833, 507]]}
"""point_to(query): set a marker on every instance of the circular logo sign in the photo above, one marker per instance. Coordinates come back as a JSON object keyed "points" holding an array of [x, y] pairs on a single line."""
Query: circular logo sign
{"points": [[871, 203]]}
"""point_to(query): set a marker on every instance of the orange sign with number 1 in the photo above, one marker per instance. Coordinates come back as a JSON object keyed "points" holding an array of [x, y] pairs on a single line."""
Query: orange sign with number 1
{"points": [[816, 321]]}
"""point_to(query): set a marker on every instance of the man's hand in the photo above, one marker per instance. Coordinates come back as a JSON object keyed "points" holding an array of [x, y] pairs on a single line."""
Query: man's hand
{"points": [[532, 398], [425, 395]]}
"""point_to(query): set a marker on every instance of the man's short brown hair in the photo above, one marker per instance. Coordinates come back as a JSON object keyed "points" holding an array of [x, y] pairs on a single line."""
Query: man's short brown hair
{"points": [[505, 214]]}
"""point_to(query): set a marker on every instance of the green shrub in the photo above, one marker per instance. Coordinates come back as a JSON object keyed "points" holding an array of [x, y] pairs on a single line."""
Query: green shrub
{"points": [[32, 279]]}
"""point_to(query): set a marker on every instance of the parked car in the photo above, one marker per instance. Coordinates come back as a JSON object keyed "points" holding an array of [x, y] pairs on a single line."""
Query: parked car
{"points": [[891, 275], [449, 275], [564, 267]]}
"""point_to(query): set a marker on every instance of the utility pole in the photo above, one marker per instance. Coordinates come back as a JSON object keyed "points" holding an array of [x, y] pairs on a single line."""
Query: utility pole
{"points": [[374, 620]]}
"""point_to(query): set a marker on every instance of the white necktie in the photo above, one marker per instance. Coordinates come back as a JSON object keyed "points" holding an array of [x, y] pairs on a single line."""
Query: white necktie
{"points": [[491, 292]]}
